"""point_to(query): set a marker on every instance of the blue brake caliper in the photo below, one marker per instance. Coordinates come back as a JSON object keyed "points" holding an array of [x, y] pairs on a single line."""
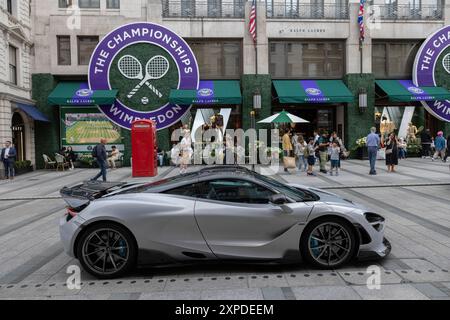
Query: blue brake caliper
{"points": [[122, 251], [312, 244]]}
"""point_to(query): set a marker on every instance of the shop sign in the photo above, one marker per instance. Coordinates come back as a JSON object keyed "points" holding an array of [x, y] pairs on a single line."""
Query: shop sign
{"points": [[432, 64], [143, 61]]}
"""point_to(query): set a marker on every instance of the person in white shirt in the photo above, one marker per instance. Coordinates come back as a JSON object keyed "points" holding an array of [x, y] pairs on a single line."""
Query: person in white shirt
{"points": [[113, 157]]}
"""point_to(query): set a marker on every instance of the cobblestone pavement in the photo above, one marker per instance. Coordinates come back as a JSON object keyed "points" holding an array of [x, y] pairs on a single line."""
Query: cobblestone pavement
{"points": [[415, 201]]}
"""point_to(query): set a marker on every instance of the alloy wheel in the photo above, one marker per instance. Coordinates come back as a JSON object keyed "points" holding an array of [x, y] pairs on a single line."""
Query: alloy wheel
{"points": [[329, 244], [105, 251]]}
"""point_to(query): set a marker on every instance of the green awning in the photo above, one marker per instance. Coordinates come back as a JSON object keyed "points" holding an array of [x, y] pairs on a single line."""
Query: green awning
{"points": [[312, 91], [405, 91], [209, 92], [79, 94]]}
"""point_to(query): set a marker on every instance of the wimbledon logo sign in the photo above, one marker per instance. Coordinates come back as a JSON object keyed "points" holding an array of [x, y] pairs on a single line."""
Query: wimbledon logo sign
{"points": [[431, 65], [143, 61]]}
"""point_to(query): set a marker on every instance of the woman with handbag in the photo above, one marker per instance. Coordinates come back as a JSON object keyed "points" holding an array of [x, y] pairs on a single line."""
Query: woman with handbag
{"points": [[391, 152]]}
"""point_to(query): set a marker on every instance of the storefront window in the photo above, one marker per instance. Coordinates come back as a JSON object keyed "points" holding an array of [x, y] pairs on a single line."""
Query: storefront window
{"points": [[396, 119], [393, 59], [218, 59], [306, 59]]}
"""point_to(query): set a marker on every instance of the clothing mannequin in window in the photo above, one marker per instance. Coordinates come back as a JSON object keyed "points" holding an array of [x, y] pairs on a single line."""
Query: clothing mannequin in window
{"points": [[411, 133]]}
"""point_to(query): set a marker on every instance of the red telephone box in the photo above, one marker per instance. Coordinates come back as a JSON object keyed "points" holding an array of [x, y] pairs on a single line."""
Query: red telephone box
{"points": [[144, 148]]}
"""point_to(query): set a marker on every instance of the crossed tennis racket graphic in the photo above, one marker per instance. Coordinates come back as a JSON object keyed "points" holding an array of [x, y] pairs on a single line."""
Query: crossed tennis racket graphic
{"points": [[156, 68], [446, 62]]}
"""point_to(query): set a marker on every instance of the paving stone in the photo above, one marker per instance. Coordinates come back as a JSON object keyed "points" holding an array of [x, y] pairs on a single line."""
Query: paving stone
{"points": [[390, 292], [326, 293], [314, 279], [260, 281], [235, 294], [222, 282], [122, 286], [361, 277], [171, 295], [429, 290], [431, 275], [273, 294]]}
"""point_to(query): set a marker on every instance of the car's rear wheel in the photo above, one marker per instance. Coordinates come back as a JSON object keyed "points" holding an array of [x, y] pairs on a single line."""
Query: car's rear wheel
{"points": [[328, 243], [107, 250]]}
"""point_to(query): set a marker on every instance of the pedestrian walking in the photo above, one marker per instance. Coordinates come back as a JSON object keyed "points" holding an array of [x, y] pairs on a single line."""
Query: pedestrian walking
{"points": [[287, 146], [8, 157], [335, 152], [310, 154], [448, 148], [425, 140], [373, 144], [391, 152], [99, 153], [439, 145], [300, 147]]}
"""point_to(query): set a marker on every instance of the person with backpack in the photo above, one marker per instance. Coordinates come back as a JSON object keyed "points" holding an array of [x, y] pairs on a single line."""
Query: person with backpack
{"points": [[100, 155]]}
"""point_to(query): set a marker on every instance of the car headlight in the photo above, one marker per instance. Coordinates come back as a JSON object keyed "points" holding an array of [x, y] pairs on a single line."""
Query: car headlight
{"points": [[375, 220]]}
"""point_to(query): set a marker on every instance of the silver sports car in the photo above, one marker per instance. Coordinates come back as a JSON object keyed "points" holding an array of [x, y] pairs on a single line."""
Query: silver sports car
{"points": [[214, 214]]}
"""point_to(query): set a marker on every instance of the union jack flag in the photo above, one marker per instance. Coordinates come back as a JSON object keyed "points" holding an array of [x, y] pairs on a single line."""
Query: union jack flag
{"points": [[252, 22], [361, 19]]}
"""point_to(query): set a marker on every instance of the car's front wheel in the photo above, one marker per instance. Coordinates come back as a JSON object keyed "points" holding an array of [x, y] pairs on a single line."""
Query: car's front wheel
{"points": [[328, 243], [107, 250]]}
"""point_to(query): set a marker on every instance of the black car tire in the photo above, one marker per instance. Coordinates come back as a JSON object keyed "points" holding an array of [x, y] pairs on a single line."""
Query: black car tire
{"points": [[311, 227], [131, 256]]}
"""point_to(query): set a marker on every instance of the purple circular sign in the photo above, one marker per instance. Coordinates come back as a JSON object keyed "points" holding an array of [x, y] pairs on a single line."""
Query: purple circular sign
{"points": [[143, 32], [425, 67]]}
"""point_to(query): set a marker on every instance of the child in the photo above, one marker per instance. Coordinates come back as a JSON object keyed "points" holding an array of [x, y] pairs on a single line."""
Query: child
{"points": [[335, 151], [310, 153]]}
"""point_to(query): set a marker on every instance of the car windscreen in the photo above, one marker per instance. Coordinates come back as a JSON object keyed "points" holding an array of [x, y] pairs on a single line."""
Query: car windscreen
{"points": [[291, 192]]}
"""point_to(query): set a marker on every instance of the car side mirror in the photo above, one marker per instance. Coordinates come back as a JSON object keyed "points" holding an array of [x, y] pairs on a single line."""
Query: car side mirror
{"points": [[278, 199]]}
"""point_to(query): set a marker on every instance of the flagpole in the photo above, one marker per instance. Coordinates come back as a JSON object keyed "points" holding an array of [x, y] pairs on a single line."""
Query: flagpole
{"points": [[256, 39]]}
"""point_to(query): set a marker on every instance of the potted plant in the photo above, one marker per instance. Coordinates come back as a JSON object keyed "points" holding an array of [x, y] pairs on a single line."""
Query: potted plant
{"points": [[22, 167], [413, 149], [85, 161], [360, 149]]}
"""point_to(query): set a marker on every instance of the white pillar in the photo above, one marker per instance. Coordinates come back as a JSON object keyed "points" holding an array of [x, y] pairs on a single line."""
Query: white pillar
{"points": [[353, 55]]}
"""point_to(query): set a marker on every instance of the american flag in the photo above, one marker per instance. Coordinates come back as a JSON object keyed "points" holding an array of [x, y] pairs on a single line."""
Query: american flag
{"points": [[252, 22], [361, 19]]}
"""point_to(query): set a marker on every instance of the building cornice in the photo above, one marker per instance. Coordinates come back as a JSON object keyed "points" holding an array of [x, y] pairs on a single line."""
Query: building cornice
{"points": [[16, 99]]}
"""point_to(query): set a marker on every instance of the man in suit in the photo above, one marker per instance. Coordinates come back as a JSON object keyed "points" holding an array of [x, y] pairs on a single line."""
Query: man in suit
{"points": [[8, 157], [100, 155]]}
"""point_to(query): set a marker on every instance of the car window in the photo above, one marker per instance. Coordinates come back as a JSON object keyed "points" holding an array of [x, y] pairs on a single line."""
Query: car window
{"points": [[196, 190], [236, 190], [296, 194]]}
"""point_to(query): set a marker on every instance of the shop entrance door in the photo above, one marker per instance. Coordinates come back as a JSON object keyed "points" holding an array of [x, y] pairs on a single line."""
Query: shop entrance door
{"points": [[318, 117], [18, 135]]}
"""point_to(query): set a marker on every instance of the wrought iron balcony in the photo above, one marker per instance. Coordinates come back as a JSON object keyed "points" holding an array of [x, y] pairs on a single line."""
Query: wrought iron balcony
{"points": [[406, 12], [203, 9], [306, 11]]}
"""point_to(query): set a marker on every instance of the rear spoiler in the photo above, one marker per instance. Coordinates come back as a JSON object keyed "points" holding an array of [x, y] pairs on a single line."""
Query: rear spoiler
{"points": [[81, 194]]}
